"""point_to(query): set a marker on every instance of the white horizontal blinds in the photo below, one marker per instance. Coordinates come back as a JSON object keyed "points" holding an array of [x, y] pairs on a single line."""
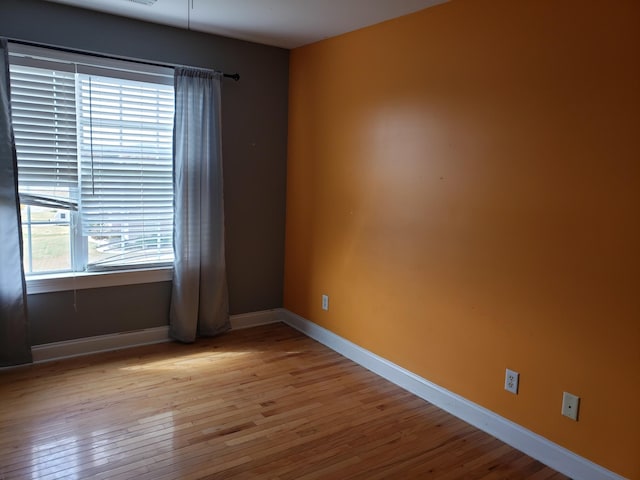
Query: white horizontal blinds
{"points": [[125, 131], [44, 122], [96, 134]]}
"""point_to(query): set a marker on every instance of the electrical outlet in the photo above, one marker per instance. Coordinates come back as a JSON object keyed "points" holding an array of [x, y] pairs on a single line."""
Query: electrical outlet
{"points": [[325, 302], [511, 380], [570, 405]]}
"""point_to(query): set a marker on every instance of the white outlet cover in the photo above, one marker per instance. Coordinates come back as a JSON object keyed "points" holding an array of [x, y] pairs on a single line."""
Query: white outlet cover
{"points": [[511, 380], [570, 405], [325, 302]]}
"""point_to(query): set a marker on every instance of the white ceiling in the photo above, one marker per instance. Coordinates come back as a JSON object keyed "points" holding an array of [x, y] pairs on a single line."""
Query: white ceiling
{"points": [[282, 23]]}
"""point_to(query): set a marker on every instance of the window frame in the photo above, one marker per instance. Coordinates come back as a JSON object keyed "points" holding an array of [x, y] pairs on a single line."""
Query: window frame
{"points": [[43, 282], [70, 281]]}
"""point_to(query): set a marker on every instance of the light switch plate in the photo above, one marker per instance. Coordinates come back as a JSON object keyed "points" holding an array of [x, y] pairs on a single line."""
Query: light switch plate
{"points": [[570, 405]]}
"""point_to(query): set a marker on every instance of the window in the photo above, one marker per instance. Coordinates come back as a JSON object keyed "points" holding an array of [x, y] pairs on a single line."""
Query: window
{"points": [[95, 161]]}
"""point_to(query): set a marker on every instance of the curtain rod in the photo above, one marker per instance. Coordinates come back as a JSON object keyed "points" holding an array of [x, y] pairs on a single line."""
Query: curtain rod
{"points": [[233, 76]]}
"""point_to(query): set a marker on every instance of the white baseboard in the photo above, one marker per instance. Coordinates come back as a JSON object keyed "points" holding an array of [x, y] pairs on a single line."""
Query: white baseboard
{"points": [[254, 319], [534, 445], [102, 343]]}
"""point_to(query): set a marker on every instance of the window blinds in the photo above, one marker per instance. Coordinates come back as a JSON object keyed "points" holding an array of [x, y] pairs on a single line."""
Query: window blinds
{"points": [[44, 121], [99, 140], [125, 139]]}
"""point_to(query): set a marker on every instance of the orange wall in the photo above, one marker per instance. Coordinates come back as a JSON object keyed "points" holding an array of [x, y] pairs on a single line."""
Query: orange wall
{"points": [[464, 183]]}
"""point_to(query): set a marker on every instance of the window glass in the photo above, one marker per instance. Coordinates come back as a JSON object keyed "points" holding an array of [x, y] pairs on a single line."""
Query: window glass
{"points": [[47, 239], [95, 166]]}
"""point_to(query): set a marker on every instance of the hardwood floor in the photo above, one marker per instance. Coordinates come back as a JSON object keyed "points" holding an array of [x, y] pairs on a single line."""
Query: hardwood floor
{"points": [[261, 403]]}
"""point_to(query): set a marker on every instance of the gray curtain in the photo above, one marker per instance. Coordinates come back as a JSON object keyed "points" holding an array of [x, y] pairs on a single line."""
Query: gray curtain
{"points": [[15, 347], [199, 299]]}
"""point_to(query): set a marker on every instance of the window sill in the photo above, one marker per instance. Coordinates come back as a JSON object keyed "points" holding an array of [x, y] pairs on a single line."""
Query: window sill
{"points": [[81, 280]]}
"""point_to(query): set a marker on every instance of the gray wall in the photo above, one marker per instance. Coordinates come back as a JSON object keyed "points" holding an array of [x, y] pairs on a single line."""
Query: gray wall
{"points": [[97, 311], [254, 119]]}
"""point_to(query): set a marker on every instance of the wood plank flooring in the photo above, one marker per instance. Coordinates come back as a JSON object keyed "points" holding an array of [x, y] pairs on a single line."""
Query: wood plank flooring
{"points": [[261, 403]]}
